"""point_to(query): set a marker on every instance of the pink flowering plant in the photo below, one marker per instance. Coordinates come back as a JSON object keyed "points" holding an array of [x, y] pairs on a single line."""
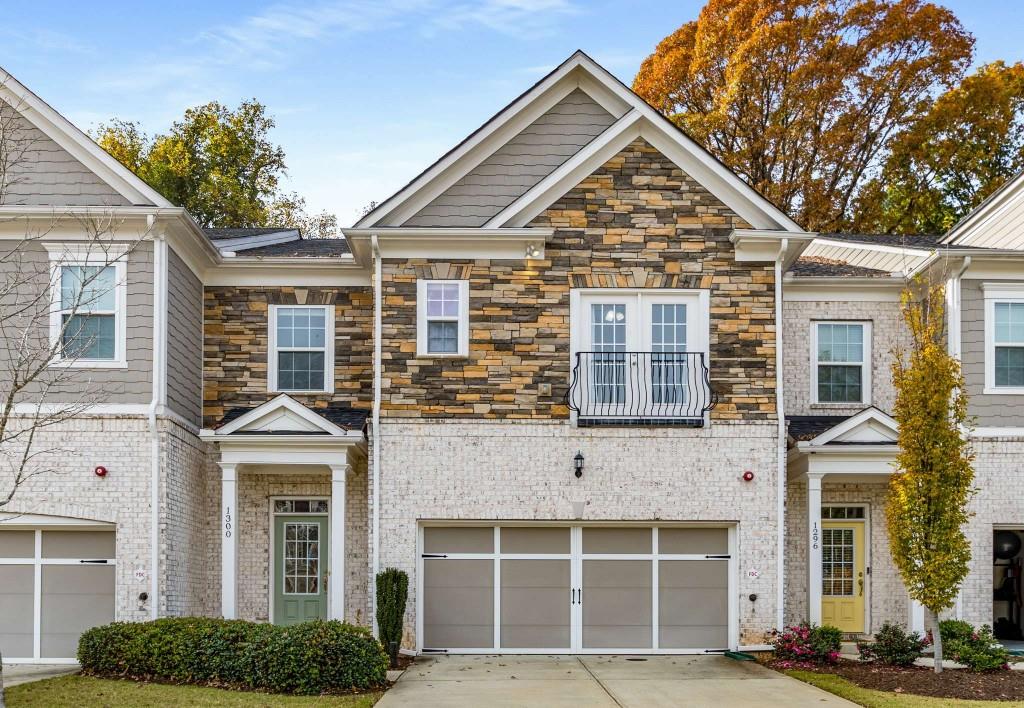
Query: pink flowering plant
{"points": [[806, 644]]}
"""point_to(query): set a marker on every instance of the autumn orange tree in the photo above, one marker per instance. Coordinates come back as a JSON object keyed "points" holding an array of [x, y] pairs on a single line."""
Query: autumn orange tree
{"points": [[968, 145], [802, 97]]}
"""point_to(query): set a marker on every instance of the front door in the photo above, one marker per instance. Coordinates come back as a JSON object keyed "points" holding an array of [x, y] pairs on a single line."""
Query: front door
{"points": [[842, 575], [300, 568]]}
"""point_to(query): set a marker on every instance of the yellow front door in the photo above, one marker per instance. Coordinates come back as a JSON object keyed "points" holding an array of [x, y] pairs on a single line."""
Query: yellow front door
{"points": [[842, 575]]}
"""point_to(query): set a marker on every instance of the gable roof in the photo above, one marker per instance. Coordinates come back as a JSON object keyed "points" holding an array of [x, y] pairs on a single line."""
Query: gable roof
{"points": [[998, 222], [79, 145], [284, 415], [868, 427], [633, 118]]}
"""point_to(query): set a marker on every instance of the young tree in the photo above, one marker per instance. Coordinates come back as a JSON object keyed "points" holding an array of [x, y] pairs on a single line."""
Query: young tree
{"points": [[930, 489], [801, 97]]}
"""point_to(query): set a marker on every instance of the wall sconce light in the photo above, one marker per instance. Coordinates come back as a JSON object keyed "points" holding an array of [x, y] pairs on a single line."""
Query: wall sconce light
{"points": [[532, 251], [577, 463]]}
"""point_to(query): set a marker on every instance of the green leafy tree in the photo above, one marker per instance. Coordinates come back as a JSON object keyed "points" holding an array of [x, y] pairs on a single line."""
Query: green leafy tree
{"points": [[930, 490], [218, 163]]}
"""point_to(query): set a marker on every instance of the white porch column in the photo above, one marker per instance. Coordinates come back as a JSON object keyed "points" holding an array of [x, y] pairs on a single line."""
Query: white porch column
{"points": [[336, 589], [814, 548], [228, 541], [916, 622]]}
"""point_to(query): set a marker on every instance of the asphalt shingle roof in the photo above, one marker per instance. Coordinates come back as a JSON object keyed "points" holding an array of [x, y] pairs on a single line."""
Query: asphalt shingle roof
{"points": [[818, 267], [218, 234], [808, 427], [299, 248]]}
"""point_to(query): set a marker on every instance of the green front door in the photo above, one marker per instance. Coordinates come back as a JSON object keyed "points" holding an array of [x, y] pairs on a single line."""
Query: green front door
{"points": [[300, 568]]}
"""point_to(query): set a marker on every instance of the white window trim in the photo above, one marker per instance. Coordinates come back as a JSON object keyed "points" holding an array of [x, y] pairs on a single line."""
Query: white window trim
{"points": [[65, 258], [422, 319], [997, 293], [865, 364], [272, 351]]}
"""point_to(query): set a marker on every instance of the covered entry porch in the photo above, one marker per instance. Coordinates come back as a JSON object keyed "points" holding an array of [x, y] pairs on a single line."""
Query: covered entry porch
{"points": [[840, 571], [293, 491]]}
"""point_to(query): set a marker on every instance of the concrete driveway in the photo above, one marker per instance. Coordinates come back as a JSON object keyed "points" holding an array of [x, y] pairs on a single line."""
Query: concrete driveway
{"points": [[599, 681]]}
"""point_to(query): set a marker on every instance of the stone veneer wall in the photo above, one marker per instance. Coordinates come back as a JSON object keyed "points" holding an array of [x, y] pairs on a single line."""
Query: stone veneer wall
{"points": [[254, 493], [888, 598], [887, 332], [638, 221], [522, 470], [235, 344]]}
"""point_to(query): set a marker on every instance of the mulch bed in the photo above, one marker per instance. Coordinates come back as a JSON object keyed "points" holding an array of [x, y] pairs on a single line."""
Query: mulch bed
{"points": [[923, 681]]}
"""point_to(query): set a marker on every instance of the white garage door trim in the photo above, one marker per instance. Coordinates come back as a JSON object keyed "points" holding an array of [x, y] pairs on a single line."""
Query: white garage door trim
{"points": [[576, 558], [37, 561]]}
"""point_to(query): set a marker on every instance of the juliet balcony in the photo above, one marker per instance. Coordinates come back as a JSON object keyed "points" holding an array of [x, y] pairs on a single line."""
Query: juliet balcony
{"points": [[616, 388]]}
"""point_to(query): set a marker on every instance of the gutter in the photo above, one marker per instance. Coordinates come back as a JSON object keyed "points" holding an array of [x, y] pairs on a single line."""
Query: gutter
{"points": [[781, 452], [377, 372], [157, 402]]}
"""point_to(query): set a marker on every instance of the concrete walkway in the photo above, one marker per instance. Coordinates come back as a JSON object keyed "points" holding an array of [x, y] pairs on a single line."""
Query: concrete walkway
{"points": [[598, 681], [24, 673]]}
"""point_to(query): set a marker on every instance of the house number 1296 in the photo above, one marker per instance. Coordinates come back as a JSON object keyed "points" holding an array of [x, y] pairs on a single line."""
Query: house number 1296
{"points": [[227, 523], [814, 536]]}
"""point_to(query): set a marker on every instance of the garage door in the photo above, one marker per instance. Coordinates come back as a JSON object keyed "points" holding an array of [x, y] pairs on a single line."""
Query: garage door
{"points": [[54, 584], [583, 589]]}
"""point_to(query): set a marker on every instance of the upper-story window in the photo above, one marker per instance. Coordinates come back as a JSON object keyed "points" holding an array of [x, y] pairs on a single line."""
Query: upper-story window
{"points": [[442, 318], [1004, 338], [87, 320], [301, 348], [841, 362]]}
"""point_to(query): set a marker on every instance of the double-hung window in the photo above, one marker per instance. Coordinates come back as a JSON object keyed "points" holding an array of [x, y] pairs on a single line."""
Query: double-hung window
{"points": [[841, 362], [301, 348], [1004, 338], [87, 318], [442, 318]]}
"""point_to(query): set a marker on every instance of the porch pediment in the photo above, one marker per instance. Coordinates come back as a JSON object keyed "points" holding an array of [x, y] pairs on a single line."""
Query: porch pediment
{"points": [[860, 447], [870, 426], [284, 415]]}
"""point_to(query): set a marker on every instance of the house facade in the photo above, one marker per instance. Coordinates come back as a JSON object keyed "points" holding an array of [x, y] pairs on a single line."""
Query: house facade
{"points": [[591, 391]]}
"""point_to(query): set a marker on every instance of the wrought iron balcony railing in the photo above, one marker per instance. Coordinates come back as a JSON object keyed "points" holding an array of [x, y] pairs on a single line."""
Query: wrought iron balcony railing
{"points": [[640, 388]]}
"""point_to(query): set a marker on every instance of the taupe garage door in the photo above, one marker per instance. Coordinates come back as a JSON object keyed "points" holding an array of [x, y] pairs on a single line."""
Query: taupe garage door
{"points": [[54, 584], [575, 589]]}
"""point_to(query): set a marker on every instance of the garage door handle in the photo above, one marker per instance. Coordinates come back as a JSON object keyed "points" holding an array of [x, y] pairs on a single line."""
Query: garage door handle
{"points": [[104, 562], [713, 557], [434, 555]]}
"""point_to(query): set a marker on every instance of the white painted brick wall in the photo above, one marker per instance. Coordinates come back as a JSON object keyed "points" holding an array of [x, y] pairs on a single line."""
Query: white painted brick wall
{"points": [[524, 470]]}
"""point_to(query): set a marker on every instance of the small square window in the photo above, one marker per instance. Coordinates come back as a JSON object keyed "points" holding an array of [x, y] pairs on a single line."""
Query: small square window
{"points": [[443, 318]]}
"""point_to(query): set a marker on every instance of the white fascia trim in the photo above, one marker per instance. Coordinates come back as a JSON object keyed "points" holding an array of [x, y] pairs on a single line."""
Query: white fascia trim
{"points": [[306, 272], [995, 432], [800, 289], [346, 438], [869, 414], [281, 401], [805, 446], [14, 519], [228, 246], [567, 175], [78, 144], [503, 244]]}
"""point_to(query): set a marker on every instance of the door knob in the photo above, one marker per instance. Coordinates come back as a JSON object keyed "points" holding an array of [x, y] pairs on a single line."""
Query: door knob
{"points": [[860, 583]]}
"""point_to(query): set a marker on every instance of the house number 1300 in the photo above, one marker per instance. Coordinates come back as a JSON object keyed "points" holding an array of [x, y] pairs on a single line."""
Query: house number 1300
{"points": [[227, 523]]}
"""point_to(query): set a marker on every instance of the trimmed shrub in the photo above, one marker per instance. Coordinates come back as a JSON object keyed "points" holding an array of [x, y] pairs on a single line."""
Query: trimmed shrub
{"points": [[308, 658], [807, 644], [977, 649], [893, 646], [392, 592]]}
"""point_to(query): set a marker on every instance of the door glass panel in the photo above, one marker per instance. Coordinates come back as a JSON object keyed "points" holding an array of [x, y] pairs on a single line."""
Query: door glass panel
{"points": [[458, 608], [458, 539], [535, 604], [669, 374], [301, 558], [617, 601], [532, 539], [693, 541], [608, 365], [693, 604], [616, 540], [837, 562]]}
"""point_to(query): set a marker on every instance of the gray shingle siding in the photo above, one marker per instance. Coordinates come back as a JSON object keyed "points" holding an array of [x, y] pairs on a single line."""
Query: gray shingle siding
{"points": [[184, 340], [988, 410], [44, 173], [518, 165]]}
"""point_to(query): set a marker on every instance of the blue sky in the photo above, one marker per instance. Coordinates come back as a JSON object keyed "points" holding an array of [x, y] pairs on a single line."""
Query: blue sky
{"points": [[366, 93]]}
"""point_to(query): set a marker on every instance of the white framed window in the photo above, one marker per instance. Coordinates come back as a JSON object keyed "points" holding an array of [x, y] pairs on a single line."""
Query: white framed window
{"points": [[1004, 338], [442, 318], [301, 351], [841, 362], [88, 321]]}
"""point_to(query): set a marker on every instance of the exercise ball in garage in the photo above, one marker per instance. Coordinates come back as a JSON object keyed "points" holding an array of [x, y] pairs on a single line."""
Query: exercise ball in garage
{"points": [[1006, 545]]}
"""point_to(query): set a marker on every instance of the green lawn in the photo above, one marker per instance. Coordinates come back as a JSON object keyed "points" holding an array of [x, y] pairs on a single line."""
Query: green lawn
{"points": [[88, 692], [883, 699]]}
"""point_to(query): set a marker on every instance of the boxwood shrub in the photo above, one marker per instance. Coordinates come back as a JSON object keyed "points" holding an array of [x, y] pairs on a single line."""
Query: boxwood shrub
{"points": [[308, 658]]}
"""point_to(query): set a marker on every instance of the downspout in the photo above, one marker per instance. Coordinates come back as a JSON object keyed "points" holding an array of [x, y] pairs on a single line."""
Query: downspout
{"points": [[781, 415], [155, 404], [954, 346], [375, 511]]}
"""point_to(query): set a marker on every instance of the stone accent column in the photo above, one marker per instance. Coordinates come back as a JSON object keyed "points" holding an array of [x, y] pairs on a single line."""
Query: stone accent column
{"points": [[814, 548], [229, 541], [336, 589]]}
